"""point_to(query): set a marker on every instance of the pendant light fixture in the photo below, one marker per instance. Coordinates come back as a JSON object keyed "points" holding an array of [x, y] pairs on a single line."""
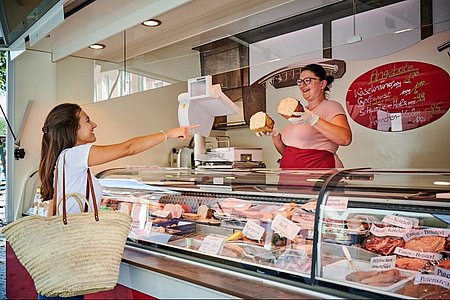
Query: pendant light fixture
{"points": [[356, 37]]}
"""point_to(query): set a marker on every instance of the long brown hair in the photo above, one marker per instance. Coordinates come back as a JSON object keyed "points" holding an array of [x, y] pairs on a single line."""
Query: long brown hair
{"points": [[59, 132]]}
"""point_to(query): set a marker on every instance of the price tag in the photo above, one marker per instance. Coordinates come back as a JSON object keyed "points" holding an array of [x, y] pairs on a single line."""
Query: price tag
{"points": [[417, 254], [441, 272], [148, 226], [253, 231], [432, 279], [162, 213], [396, 121], [217, 180], [383, 262], [143, 214], [337, 203], [426, 232], [285, 227], [403, 222], [388, 231], [212, 244]]}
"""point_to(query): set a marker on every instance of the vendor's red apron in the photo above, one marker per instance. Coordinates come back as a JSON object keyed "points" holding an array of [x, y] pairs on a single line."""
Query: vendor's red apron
{"points": [[295, 158]]}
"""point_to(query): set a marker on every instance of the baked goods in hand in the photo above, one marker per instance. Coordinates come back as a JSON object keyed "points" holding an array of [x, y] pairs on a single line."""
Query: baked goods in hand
{"points": [[288, 106], [261, 122]]}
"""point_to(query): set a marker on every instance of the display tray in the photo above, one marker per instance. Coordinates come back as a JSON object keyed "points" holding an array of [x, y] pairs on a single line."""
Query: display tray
{"points": [[339, 271]]}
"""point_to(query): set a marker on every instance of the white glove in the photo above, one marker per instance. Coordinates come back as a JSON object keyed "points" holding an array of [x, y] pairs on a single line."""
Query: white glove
{"points": [[304, 118], [274, 132]]}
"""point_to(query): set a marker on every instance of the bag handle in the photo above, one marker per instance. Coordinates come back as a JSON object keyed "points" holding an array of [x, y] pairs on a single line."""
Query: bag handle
{"points": [[89, 186]]}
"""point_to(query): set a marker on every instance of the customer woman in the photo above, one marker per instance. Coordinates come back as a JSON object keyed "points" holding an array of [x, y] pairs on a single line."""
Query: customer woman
{"points": [[312, 138], [68, 134]]}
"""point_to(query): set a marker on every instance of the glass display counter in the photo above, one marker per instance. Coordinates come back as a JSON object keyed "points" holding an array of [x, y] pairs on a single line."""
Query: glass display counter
{"points": [[345, 233]]}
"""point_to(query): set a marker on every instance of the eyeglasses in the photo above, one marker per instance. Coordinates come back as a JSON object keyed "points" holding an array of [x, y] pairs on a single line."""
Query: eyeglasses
{"points": [[306, 81]]}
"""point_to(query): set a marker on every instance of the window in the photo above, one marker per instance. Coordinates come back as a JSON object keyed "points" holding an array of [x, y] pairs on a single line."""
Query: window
{"points": [[112, 83]]}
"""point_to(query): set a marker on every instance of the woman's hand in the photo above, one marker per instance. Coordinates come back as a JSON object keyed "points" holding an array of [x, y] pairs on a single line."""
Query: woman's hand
{"points": [[304, 118], [181, 133], [274, 132]]}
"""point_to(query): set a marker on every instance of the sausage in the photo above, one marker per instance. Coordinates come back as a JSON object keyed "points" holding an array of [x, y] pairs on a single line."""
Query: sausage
{"points": [[358, 276], [391, 276]]}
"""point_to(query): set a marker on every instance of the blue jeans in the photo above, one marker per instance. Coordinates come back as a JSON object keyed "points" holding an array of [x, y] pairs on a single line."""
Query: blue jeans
{"points": [[40, 297]]}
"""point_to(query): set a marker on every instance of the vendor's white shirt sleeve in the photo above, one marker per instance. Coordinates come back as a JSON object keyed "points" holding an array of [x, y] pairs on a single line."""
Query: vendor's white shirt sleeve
{"points": [[76, 165]]}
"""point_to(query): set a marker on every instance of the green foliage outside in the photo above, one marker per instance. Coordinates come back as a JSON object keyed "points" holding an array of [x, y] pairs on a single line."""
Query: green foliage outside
{"points": [[2, 91], [2, 71]]}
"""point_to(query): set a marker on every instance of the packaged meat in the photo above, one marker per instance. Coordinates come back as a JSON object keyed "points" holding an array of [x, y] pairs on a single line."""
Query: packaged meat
{"points": [[388, 280], [444, 264], [288, 106], [424, 291], [202, 211], [382, 244], [409, 263], [426, 244], [261, 122], [361, 222]]}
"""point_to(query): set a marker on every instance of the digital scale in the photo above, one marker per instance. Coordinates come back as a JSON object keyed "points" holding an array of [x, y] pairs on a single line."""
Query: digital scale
{"points": [[199, 106]]}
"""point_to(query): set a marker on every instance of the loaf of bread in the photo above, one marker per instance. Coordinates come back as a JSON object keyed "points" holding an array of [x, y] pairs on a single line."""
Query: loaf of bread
{"points": [[288, 106], [261, 122]]}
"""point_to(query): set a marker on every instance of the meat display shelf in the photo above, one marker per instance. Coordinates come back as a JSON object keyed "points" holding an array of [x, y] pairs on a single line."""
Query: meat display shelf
{"points": [[295, 227]]}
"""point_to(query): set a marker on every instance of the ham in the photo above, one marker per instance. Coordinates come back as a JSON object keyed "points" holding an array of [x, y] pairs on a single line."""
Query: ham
{"points": [[426, 244], [409, 263], [383, 245]]}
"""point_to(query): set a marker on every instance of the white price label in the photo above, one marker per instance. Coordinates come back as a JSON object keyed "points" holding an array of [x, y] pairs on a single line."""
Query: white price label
{"points": [[143, 214], [417, 254], [217, 180], [388, 231], [337, 203], [285, 227], [253, 231], [148, 226], [383, 262], [403, 222], [426, 232], [441, 272], [161, 213], [432, 279], [212, 244]]}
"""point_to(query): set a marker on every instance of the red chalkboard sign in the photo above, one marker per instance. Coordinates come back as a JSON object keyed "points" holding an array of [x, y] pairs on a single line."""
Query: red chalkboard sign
{"points": [[399, 96]]}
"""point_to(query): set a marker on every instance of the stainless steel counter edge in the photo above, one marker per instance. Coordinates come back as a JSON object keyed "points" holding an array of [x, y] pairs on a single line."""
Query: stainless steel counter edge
{"points": [[219, 279]]}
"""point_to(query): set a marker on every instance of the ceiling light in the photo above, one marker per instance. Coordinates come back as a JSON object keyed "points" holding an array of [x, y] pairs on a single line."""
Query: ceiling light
{"points": [[403, 30], [445, 183], [314, 180], [151, 23], [97, 46]]}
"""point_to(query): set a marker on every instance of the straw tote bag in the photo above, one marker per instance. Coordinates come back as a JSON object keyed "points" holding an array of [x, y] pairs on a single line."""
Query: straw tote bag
{"points": [[73, 254]]}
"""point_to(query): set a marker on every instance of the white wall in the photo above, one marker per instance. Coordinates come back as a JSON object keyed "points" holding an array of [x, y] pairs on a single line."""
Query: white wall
{"points": [[138, 114], [75, 78], [35, 80]]}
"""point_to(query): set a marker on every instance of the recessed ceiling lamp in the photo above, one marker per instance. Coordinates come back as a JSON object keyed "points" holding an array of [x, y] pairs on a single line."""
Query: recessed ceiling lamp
{"points": [[445, 183], [151, 23], [97, 46]]}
